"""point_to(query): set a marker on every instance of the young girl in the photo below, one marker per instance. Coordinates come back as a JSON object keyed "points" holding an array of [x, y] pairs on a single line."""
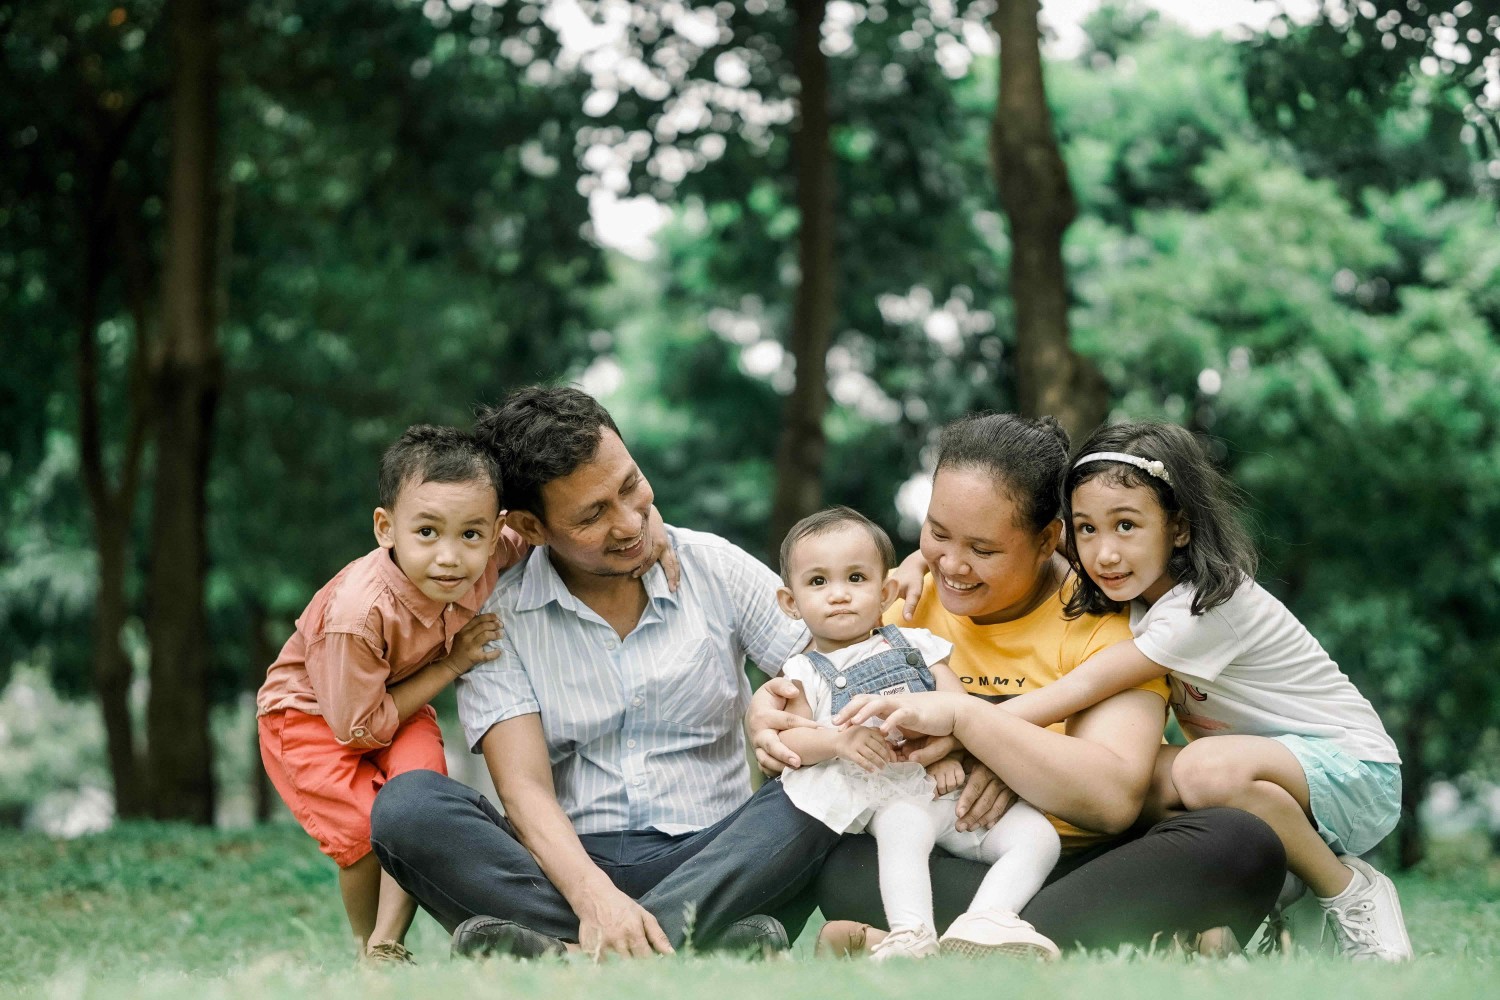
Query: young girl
{"points": [[1275, 727], [833, 567]]}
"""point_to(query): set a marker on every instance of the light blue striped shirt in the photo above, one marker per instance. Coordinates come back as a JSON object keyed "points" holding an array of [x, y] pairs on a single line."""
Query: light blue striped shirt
{"points": [[645, 732]]}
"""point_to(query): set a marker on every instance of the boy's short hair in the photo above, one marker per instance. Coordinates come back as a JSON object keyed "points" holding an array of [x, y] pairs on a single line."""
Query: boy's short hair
{"points": [[541, 433], [429, 454], [831, 519]]}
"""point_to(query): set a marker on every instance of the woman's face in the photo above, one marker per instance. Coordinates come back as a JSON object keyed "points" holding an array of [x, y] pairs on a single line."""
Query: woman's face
{"points": [[984, 564]]}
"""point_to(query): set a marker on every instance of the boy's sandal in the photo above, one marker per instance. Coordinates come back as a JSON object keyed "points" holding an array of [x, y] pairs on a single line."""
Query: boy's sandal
{"points": [[843, 939]]}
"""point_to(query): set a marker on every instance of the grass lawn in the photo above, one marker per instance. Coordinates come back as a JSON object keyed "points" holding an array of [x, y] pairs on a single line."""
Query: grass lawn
{"points": [[162, 912]]}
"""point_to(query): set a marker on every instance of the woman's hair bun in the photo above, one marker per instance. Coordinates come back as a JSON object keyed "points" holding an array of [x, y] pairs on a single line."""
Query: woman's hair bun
{"points": [[1051, 423]]}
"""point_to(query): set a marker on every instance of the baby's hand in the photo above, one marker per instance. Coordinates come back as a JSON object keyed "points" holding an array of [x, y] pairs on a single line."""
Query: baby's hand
{"points": [[469, 645], [909, 577], [864, 746], [949, 775]]}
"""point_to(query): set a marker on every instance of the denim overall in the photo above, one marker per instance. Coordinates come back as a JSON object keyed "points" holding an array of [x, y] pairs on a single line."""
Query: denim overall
{"points": [[901, 666]]}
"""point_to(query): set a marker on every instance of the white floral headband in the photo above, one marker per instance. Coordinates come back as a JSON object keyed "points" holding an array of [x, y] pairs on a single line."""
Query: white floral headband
{"points": [[1150, 466]]}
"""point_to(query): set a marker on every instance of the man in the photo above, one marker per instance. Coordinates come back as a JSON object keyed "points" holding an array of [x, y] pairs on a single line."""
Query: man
{"points": [[611, 725]]}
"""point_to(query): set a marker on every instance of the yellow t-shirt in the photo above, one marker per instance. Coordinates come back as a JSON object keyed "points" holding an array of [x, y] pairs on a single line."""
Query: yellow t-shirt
{"points": [[1000, 661]]}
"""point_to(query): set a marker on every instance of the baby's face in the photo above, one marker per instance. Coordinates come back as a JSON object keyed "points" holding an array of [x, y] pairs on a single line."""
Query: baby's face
{"points": [[442, 534], [837, 585]]}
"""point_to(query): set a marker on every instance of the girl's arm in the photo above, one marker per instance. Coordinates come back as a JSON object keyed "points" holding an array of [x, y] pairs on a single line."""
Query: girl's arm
{"points": [[910, 577], [1108, 672]]}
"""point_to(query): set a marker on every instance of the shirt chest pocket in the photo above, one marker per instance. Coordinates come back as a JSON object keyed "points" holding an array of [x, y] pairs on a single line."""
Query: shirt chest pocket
{"points": [[699, 688]]}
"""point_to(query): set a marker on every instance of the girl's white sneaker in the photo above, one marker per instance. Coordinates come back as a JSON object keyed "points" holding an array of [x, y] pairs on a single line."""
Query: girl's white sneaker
{"points": [[906, 942], [1367, 920], [996, 932]]}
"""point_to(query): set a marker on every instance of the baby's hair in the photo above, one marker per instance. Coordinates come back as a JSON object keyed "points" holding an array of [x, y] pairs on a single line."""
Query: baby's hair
{"points": [[539, 434], [831, 519], [428, 454], [1218, 558], [1026, 456]]}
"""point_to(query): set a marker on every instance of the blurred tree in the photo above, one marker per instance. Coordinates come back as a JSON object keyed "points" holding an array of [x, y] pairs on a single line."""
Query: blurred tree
{"points": [[1051, 377]]}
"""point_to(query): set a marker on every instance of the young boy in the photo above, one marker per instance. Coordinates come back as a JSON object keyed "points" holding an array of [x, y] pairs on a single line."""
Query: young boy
{"points": [[345, 706]]}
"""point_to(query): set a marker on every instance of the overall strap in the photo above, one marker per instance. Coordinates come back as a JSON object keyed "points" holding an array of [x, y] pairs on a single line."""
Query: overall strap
{"points": [[914, 659], [824, 666]]}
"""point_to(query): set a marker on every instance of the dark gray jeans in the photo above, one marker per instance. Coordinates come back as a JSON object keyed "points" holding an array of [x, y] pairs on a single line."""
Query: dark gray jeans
{"points": [[453, 852]]}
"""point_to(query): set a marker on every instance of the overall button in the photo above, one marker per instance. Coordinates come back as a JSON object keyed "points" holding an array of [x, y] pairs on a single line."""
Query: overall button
{"points": [[839, 681], [913, 658]]}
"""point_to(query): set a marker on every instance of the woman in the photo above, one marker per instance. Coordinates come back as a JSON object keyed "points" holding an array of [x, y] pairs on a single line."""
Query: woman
{"points": [[996, 591]]}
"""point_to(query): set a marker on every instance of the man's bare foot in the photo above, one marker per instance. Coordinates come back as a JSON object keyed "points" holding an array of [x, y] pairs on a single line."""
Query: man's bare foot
{"points": [[846, 938]]}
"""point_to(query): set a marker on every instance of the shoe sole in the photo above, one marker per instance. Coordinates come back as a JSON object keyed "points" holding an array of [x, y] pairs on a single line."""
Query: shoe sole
{"points": [[1010, 949]]}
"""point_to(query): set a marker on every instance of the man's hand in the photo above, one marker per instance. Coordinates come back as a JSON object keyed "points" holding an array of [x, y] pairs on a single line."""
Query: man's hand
{"points": [[866, 747], [611, 923], [909, 577], [470, 642], [768, 718], [984, 800], [948, 773], [661, 550], [930, 713]]}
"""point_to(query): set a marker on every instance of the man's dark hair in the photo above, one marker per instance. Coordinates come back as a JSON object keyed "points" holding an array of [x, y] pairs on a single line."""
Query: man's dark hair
{"points": [[540, 433], [1025, 456], [831, 519], [428, 454]]}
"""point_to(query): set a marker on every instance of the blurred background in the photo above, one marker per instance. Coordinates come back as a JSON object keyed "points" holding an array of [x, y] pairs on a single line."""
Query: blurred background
{"points": [[244, 243]]}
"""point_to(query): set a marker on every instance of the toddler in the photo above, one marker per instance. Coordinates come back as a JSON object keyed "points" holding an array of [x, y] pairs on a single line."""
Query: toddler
{"points": [[834, 568]]}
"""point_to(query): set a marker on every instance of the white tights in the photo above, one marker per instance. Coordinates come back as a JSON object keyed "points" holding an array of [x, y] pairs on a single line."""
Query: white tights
{"points": [[1021, 850]]}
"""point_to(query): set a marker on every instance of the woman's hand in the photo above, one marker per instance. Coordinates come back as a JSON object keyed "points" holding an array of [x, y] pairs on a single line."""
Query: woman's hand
{"points": [[930, 713], [984, 800], [927, 750], [661, 551], [909, 577]]}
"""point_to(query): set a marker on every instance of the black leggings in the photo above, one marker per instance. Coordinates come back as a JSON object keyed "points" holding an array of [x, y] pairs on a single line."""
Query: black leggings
{"points": [[1202, 869]]}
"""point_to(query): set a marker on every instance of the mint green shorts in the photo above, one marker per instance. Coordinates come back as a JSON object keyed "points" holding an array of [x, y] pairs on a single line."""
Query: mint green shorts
{"points": [[1355, 802]]}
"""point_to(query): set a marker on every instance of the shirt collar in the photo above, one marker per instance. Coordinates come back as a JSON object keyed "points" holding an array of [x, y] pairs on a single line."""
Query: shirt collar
{"points": [[423, 608], [541, 585]]}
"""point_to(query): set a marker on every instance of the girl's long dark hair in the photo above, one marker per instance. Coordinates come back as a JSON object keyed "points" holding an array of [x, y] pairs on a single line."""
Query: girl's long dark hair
{"points": [[1218, 558]]}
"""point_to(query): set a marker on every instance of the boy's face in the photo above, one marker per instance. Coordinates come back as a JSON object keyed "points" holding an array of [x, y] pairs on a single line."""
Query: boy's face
{"points": [[441, 534], [838, 586]]}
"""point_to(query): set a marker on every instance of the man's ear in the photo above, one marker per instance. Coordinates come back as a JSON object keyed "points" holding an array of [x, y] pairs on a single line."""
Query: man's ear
{"points": [[787, 603], [527, 525], [385, 529], [888, 589]]}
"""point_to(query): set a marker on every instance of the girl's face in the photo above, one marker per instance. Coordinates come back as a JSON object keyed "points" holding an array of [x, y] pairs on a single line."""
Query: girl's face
{"points": [[1124, 539], [984, 564]]}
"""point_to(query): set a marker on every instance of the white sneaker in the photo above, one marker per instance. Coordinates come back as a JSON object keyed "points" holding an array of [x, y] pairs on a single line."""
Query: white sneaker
{"points": [[1367, 922], [906, 942], [996, 932]]}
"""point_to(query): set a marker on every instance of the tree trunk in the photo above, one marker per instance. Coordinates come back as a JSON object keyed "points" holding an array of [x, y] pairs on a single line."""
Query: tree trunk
{"points": [[799, 454], [1414, 779], [1038, 200], [111, 511], [186, 381]]}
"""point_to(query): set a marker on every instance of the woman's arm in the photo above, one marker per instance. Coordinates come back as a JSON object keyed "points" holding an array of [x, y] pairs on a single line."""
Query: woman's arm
{"points": [[1094, 777], [1108, 672]]}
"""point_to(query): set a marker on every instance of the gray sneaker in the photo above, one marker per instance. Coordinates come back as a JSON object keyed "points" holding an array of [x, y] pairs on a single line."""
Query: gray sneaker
{"points": [[1368, 923]]}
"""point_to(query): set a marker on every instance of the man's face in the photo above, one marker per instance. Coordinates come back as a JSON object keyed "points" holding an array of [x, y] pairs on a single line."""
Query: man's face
{"points": [[596, 516]]}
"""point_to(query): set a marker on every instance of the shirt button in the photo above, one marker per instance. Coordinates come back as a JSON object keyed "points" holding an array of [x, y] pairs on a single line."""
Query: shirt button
{"points": [[638, 702], [630, 743], [358, 731], [610, 644], [640, 781]]}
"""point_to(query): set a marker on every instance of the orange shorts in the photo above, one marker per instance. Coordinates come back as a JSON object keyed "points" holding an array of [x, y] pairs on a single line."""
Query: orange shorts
{"points": [[331, 788]]}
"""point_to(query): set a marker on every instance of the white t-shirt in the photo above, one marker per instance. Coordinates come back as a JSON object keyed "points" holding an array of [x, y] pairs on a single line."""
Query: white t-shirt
{"points": [[1249, 667], [820, 692]]}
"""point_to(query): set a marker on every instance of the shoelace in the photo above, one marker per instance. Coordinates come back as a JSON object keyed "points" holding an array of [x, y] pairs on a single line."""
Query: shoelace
{"points": [[1357, 926], [897, 940]]}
